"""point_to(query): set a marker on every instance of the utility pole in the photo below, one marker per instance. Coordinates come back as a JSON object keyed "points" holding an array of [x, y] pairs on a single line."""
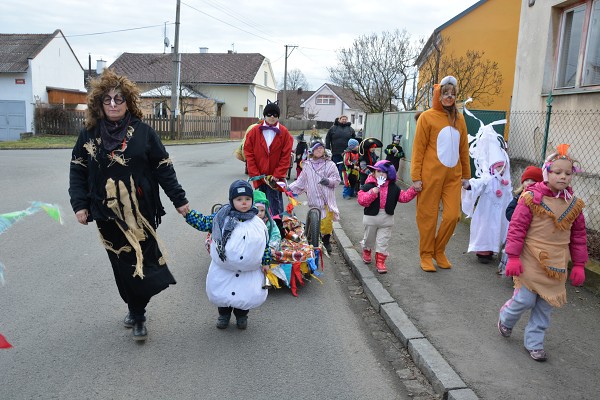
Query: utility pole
{"points": [[284, 97], [176, 75]]}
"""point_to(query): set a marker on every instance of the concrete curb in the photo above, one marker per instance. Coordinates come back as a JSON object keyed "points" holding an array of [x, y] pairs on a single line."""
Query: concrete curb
{"points": [[441, 375]]}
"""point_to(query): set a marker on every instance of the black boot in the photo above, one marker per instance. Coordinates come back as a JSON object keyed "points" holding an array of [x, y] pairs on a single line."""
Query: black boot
{"points": [[326, 243], [139, 330]]}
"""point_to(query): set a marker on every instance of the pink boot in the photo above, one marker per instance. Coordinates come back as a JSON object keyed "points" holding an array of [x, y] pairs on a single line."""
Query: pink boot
{"points": [[380, 263], [366, 256]]}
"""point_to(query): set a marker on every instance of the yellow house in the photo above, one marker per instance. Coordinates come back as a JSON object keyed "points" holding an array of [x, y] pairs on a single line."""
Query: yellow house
{"points": [[478, 47]]}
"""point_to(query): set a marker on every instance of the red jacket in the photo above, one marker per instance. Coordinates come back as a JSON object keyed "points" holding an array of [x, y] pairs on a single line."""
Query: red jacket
{"points": [[260, 160]]}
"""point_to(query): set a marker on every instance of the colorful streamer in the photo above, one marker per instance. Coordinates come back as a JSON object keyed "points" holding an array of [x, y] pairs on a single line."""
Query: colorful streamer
{"points": [[9, 219]]}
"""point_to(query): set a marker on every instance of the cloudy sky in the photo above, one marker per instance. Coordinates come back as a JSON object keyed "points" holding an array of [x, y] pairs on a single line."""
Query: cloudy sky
{"points": [[107, 28]]}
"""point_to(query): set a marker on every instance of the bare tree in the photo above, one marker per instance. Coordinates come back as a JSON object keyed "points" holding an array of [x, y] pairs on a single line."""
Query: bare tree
{"points": [[377, 69], [311, 112], [478, 77], [295, 80]]}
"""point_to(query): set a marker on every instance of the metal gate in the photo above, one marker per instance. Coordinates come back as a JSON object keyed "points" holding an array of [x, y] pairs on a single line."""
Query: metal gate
{"points": [[12, 119]]}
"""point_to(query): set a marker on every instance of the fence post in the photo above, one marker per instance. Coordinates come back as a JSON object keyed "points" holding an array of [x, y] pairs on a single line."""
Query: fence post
{"points": [[547, 128]]}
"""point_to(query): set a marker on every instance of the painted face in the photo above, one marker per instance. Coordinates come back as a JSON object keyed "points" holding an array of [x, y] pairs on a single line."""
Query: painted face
{"points": [[261, 211], [528, 182], [318, 152], [448, 96], [114, 105], [242, 203], [380, 173], [499, 168], [560, 175]]}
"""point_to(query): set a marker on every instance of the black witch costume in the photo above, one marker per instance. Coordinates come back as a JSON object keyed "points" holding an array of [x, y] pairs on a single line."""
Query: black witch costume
{"points": [[116, 169]]}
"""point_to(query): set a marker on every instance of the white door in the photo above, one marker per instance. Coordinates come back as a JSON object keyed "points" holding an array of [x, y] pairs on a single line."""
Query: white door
{"points": [[12, 119]]}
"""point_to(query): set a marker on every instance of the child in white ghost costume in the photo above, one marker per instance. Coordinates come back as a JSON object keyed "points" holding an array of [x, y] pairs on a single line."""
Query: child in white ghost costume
{"points": [[491, 190], [240, 255]]}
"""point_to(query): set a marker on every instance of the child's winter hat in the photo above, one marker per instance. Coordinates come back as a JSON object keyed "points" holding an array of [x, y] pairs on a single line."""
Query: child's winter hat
{"points": [[385, 166], [396, 138], [261, 198], [240, 188], [352, 143], [532, 172], [314, 144], [271, 108]]}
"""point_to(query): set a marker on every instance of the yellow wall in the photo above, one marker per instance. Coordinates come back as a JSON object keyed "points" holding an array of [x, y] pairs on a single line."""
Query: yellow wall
{"points": [[492, 27]]}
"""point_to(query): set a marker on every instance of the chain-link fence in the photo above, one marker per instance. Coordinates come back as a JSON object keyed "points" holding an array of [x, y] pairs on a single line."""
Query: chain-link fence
{"points": [[533, 135]]}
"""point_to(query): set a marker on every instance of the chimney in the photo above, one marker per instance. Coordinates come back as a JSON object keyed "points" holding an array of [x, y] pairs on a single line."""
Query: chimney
{"points": [[100, 66], [229, 51], [203, 50], [90, 62]]}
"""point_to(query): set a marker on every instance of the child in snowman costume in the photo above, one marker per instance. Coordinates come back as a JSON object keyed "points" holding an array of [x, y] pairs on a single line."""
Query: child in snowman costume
{"points": [[240, 255]]}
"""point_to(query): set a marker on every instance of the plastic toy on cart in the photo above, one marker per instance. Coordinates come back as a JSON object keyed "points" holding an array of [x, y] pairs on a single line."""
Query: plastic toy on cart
{"points": [[300, 257]]}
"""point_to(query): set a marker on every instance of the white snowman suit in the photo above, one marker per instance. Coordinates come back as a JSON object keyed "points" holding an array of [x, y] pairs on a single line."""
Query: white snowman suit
{"points": [[237, 282]]}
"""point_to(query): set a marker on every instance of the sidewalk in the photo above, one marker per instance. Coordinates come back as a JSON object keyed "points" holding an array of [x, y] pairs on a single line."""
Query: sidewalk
{"points": [[447, 319]]}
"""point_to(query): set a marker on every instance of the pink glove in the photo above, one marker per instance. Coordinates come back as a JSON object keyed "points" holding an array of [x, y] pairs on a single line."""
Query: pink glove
{"points": [[577, 275], [514, 267]]}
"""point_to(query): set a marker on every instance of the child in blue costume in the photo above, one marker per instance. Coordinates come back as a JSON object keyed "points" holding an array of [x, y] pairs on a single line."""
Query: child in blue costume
{"points": [[240, 255]]}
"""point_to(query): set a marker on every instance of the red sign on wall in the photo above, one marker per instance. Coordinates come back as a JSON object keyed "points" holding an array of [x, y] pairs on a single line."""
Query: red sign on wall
{"points": [[19, 81]]}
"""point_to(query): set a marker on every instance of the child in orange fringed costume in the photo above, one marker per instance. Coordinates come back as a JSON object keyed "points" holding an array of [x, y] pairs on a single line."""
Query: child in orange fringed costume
{"points": [[546, 230]]}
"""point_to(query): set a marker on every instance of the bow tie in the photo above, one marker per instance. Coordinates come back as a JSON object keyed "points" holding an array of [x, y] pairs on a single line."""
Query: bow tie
{"points": [[273, 128]]}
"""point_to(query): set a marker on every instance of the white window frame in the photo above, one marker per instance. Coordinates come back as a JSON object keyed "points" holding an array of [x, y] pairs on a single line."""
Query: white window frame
{"points": [[581, 52], [325, 99]]}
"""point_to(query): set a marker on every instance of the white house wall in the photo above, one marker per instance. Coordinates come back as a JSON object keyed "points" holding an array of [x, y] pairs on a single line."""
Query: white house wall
{"points": [[535, 62], [10, 90], [326, 112]]}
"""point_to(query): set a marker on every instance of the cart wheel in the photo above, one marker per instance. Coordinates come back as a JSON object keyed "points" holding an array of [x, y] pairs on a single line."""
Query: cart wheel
{"points": [[216, 208], [313, 226]]}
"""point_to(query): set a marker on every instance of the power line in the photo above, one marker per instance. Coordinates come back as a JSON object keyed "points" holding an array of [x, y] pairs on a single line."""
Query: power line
{"points": [[227, 23], [221, 7], [119, 30]]}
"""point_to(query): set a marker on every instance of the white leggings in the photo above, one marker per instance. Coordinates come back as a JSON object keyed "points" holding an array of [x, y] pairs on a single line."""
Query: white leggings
{"points": [[378, 231]]}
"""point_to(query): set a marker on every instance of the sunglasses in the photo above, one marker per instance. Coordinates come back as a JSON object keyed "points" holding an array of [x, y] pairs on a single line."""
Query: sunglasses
{"points": [[272, 115], [118, 99]]}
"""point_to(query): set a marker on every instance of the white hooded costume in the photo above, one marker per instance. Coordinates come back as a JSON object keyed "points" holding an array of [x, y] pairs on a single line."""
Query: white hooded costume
{"points": [[490, 192]]}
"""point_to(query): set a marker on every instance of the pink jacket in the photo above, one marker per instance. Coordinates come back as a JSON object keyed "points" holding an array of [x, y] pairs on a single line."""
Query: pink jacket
{"points": [[366, 198], [521, 219]]}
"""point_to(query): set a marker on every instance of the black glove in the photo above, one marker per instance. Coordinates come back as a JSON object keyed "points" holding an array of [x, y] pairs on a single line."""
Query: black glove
{"points": [[324, 182]]}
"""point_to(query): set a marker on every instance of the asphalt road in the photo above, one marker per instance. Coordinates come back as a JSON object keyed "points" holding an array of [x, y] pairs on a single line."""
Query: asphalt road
{"points": [[61, 311]]}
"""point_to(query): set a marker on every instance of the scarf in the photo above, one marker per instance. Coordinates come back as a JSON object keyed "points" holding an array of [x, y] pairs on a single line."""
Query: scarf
{"points": [[224, 223], [113, 133]]}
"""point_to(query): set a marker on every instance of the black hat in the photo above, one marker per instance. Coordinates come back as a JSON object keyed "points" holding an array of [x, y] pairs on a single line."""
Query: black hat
{"points": [[240, 188], [300, 137], [271, 108]]}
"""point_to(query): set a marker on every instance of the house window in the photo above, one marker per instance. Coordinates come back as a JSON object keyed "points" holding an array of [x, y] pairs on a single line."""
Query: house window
{"points": [[591, 64], [266, 78], [160, 109], [579, 43], [325, 99], [352, 118], [360, 119]]}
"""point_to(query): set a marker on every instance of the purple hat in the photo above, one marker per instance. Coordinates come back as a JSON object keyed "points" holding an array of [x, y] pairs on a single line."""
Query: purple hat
{"points": [[385, 166]]}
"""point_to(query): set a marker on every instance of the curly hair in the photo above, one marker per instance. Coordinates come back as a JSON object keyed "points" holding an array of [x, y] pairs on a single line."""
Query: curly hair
{"points": [[100, 86]]}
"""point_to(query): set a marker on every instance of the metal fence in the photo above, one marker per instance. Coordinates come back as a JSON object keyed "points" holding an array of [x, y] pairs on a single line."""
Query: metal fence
{"points": [[533, 135]]}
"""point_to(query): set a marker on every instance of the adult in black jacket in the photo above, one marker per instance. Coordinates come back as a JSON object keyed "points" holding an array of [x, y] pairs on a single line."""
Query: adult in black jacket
{"points": [[117, 165], [336, 140]]}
